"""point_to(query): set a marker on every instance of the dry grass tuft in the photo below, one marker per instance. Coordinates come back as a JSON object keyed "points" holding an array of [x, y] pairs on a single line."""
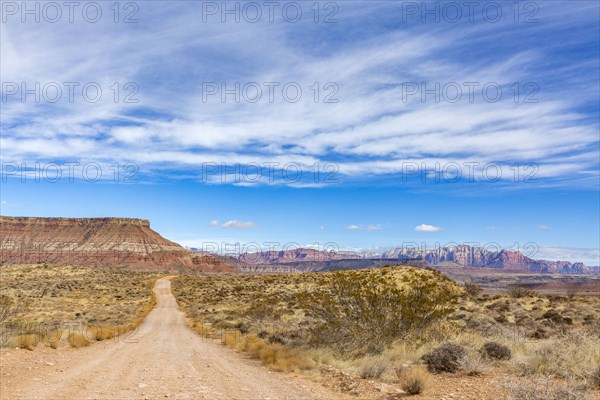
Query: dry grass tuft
{"points": [[571, 357], [473, 364], [413, 380], [27, 341], [54, 339], [276, 356], [78, 340], [105, 333]]}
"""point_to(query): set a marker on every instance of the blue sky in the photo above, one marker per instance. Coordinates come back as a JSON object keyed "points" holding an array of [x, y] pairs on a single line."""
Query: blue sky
{"points": [[209, 169]]}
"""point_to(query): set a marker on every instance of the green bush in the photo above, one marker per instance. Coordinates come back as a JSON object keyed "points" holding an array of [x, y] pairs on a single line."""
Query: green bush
{"points": [[366, 311]]}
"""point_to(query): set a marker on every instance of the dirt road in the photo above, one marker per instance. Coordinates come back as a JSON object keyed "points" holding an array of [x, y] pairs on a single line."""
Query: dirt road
{"points": [[164, 359]]}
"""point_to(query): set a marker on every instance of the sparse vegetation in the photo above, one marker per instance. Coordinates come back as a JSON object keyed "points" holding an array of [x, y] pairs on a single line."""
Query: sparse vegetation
{"points": [[297, 321], [544, 389], [573, 356], [7, 308], [43, 301]]}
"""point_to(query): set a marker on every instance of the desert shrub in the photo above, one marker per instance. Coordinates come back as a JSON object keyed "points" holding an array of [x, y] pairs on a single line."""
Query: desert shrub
{"points": [[263, 307], [496, 351], [372, 371], [413, 380], [27, 341], [366, 311], [501, 319], [539, 333], [472, 289], [445, 358], [78, 340], [520, 290], [557, 318], [543, 389]]}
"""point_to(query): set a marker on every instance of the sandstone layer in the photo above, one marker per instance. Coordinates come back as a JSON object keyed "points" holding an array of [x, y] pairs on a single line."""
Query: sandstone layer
{"points": [[116, 242]]}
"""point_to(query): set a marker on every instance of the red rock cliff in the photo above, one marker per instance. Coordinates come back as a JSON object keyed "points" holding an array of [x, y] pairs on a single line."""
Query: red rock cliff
{"points": [[126, 242]]}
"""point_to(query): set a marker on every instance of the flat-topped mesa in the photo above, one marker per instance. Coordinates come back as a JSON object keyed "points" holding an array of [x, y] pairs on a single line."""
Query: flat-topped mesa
{"points": [[122, 242], [75, 221]]}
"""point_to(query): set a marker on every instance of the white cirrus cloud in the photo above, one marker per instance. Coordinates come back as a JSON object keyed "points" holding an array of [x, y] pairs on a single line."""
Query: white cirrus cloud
{"points": [[374, 129], [235, 224], [543, 226], [427, 228], [364, 227]]}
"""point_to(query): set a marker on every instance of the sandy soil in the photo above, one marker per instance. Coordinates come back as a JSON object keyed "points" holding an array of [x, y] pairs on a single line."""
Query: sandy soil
{"points": [[163, 359]]}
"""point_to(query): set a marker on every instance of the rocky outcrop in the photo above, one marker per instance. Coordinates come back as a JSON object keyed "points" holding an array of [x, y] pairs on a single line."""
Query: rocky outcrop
{"points": [[294, 255], [122, 242]]}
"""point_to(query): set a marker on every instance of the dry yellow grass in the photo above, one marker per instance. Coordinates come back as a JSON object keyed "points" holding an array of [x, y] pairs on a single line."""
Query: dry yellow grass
{"points": [[413, 379], [277, 356], [26, 341], [50, 300], [78, 340]]}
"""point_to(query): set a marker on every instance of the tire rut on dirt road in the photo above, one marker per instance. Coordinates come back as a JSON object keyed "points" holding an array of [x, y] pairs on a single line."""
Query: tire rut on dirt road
{"points": [[163, 359]]}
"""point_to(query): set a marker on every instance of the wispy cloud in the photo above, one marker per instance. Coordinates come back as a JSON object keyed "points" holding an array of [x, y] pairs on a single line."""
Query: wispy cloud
{"points": [[543, 227], [427, 228], [372, 130], [364, 227], [233, 224], [589, 256]]}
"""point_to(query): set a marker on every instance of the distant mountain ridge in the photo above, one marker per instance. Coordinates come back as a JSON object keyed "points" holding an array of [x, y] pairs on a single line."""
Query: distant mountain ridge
{"points": [[294, 255], [462, 255], [117, 242]]}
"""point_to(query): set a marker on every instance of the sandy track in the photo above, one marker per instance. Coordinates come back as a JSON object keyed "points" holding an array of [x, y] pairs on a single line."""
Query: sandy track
{"points": [[164, 359]]}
